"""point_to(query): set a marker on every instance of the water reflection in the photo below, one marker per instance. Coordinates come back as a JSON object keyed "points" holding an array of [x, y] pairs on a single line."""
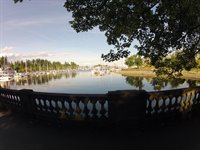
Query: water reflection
{"points": [[37, 79], [160, 83], [136, 82], [85, 82], [193, 83]]}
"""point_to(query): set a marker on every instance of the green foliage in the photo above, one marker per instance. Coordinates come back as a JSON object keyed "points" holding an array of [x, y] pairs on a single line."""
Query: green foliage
{"points": [[3, 61], [41, 65], [73, 65], [147, 62], [134, 60], [160, 26], [129, 61], [135, 81], [174, 65], [159, 83]]}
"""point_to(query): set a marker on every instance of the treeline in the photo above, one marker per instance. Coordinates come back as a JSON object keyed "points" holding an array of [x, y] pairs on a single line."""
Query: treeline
{"points": [[171, 66], [37, 65]]}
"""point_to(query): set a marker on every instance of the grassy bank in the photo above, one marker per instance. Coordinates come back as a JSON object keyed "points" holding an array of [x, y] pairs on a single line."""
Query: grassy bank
{"points": [[148, 72]]}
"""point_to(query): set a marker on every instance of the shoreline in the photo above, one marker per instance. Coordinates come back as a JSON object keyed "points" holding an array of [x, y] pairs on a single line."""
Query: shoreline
{"points": [[149, 73]]}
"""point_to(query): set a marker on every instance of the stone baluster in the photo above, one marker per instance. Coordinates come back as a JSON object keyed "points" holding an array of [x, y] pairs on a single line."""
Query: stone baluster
{"points": [[94, 110], [102, 110], [85, 109], [71, 111]]}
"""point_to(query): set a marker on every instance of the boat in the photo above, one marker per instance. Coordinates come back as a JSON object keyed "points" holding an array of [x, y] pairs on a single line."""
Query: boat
{"points": [[5, 78], [100, 71], [6, 74]]}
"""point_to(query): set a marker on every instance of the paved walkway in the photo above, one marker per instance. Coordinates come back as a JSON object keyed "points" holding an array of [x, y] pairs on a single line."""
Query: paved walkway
{"points": [[19, 133]]}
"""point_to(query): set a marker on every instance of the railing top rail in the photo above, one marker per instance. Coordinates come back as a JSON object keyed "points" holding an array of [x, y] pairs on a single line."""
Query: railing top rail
{"points": [[69, 94], [9, 90], [55, 94], [174, 92], [197, 88]]}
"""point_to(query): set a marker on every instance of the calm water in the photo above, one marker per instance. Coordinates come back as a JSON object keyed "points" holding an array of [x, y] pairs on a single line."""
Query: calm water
{"points": [[85, 82]]}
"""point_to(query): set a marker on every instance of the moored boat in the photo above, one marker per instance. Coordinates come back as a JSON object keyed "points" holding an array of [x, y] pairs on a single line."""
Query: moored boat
{"points": [[5, 78]]}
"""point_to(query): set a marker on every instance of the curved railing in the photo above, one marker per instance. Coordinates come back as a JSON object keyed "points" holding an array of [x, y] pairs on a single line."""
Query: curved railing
{"points": [[71, 106], [12, 99], [111, 107], [172, 101]]}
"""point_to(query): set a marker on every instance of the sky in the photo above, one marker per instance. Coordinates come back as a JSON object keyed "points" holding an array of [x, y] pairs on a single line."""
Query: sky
{"points": [[40, 29]]}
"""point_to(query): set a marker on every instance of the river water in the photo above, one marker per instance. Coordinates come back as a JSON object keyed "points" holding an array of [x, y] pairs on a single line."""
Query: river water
{"points": [[84, 82]]}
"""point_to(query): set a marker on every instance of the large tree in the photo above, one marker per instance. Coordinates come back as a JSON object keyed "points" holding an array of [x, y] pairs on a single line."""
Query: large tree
{"points": [[160, 26], [134, 60]]}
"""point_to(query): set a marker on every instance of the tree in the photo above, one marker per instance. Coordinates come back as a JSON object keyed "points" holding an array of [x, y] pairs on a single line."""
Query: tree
{"points": [[129, 61], [160, 26], [73, 65], [38, 65], [134, 60], [3, 61], [173, 65]]}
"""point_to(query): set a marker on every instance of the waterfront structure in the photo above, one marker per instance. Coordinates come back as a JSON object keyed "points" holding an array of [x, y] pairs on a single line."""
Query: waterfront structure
{"points": [[125, 106]]}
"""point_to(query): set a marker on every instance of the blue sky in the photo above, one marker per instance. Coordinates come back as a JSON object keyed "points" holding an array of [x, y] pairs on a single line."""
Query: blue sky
{"points": [[40, 29]]}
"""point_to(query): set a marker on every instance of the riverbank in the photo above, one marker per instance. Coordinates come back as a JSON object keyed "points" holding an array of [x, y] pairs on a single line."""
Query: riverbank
{"points": [[148, 72]]}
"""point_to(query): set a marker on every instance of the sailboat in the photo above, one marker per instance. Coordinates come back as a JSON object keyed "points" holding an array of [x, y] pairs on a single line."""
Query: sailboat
{"points": [[5, 75], [5, 78]]}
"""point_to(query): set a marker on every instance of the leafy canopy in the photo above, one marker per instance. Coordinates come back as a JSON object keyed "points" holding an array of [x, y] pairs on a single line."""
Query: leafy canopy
{"points": [[160, 26], [173, 65], [134, 60]]}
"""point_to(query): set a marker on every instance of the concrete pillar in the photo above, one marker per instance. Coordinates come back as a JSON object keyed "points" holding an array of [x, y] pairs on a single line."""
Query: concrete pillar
{"points": [[127, 105], [27, 102]]}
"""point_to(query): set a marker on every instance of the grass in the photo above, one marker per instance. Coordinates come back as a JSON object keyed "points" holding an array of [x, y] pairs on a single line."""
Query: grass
{"points": [[148, 72]]}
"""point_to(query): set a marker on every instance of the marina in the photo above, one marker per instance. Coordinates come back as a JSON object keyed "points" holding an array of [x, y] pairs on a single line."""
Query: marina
{"points": [[86, 82]]}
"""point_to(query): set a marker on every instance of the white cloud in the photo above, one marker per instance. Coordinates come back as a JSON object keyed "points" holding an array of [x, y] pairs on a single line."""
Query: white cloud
{"points": [[18, 56], [37, 54], [34, 55], [6, 48], [33, 22]]}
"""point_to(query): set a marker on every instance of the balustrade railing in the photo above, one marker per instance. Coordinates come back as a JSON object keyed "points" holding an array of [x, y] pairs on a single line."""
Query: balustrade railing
{"points": [[172, 101], [111, 107], [11, 98], [71, 106]]}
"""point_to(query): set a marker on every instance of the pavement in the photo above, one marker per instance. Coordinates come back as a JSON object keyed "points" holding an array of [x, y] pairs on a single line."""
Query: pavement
{"points": [[20, 133]]}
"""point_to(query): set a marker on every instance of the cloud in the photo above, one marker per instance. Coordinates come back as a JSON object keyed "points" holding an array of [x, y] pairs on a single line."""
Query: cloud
{"points": [[33, 21], [50, 55], [18, 56], [37, 55], [6, 48], [62, 56]]}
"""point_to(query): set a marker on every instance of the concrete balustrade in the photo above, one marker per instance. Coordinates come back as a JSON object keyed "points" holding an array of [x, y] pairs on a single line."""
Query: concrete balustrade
{"points": [[113, 107]]}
